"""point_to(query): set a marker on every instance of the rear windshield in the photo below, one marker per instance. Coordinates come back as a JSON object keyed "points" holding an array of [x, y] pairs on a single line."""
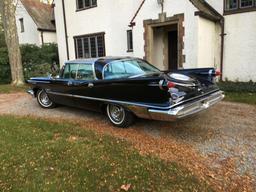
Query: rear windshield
{"points": [[127, 68]]}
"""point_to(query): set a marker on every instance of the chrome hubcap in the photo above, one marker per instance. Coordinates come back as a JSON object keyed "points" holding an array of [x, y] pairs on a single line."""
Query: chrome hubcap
{"points": [[116, 113], [44, 99]]}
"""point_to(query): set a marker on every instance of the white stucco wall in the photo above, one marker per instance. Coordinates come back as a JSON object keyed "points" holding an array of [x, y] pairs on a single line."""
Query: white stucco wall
{"points": [[113, 17], [208, 43], [49, 37], [30, 34], [240, 47]]}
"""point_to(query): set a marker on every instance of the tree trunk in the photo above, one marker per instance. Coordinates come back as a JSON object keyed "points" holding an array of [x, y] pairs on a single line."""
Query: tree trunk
{"points": [[7, 10]]}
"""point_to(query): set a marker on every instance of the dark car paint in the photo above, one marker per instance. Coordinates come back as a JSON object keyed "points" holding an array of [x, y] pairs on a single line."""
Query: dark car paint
{"points": [[143, 90]]}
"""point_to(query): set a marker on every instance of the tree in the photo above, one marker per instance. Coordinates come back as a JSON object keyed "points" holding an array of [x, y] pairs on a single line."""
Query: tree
{"points": [[7, 11]]}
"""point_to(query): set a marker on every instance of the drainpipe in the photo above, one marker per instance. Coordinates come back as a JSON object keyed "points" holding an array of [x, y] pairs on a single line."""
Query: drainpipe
{"points": [[65, 28], [223, 34]]}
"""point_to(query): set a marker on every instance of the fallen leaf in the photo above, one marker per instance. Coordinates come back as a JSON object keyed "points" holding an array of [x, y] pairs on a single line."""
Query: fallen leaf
{"points": [[126, 187]]}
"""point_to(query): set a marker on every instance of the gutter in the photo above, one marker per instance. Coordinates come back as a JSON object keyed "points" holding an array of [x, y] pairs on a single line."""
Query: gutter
{"points": [[65, 28], [222, 23]]}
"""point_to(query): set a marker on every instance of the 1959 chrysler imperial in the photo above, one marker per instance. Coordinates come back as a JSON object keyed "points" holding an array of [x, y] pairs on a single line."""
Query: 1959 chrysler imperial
{"points": [[126, 88]]}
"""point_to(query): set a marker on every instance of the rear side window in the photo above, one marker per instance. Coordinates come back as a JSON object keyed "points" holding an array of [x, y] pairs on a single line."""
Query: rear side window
{"points": [[78, 71], [70, 71], [85, 72]]}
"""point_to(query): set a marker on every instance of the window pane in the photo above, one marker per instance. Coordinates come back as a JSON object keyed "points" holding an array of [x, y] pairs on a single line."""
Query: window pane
{"points": [[94, 2], [85, 72], [87, 3], [93, 46], [66, 72], [100, 41], [86, 48], [246, 3], [231, 4], [90, 46], [79, 46], [80, 4], [129, 40], [73, 70], [127, 68]]}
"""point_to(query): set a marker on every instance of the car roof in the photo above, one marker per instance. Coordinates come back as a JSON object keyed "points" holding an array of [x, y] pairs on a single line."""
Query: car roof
{"points": [[93, 60]]}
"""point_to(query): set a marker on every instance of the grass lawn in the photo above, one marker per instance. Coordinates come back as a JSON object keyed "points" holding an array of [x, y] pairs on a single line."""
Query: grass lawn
{"points": [[36, 155], [7, 88], [249, 98]]}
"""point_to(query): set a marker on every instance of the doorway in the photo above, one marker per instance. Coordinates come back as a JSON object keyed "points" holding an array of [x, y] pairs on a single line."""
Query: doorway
{"points": [[172, 50], [164, 41]]}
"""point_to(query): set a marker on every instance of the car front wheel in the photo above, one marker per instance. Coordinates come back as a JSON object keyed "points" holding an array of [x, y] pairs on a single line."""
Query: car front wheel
{"points": [[119, 116], [43, 100]]}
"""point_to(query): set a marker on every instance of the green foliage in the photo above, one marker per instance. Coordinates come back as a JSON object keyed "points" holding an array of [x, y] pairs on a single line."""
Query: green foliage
{"points": [[241, 92], [36, 61], [37, 155], [230, 86]]}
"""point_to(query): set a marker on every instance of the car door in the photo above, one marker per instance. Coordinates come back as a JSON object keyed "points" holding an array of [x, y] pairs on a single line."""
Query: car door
{"points": [[62, 88], [83, 88]]}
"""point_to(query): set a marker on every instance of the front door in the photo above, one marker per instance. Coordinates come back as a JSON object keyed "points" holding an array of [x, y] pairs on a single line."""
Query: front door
{"points": [[173, 50]]}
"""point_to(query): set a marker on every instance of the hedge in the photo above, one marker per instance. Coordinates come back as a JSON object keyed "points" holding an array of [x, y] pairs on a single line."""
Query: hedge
{"points": [[36, 61]]}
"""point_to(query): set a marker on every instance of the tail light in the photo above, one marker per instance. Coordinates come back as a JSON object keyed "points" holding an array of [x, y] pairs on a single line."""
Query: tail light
{"points": [[217, 73], [170, 84]]}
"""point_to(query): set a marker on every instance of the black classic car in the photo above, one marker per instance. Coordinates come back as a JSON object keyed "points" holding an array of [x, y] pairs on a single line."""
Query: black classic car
{"points": [[125, 88]]}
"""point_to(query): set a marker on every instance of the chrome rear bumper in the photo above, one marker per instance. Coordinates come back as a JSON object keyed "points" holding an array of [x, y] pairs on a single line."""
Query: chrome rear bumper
{"points": [[186, 109]]}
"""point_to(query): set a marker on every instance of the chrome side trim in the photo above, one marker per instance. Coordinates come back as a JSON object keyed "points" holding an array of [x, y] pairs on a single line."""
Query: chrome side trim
{"points": [[106, 100]]}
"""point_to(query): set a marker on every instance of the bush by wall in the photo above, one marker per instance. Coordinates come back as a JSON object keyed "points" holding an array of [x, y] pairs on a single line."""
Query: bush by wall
{"points": [[36, 61], [240, 87]]}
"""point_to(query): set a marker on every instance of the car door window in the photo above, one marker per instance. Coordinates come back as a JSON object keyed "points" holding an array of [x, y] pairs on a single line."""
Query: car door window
{"points": [[70, 71], [85, 72]]}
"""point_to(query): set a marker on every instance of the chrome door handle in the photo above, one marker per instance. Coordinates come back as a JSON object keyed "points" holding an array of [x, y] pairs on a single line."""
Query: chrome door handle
{"points": [[90, 85]]}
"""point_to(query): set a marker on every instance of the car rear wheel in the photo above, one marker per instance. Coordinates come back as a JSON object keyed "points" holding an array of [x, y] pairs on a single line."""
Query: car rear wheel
{"points": [[119, 117], [43, 100]]}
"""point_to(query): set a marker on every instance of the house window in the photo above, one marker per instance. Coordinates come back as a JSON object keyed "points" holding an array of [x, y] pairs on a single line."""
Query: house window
{"points": [[246, 3], [239, 6], [231, 4], [21, 25], [90, 46], [129, 41], [85, 4]]}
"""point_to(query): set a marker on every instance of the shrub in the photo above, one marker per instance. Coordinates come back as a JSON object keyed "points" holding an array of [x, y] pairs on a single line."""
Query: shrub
{"points": [[5, 72], [37, 61], [228, 86]]}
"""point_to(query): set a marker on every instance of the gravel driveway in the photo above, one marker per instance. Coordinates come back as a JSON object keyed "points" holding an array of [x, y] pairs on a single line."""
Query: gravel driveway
{"points": [[218, 146]]}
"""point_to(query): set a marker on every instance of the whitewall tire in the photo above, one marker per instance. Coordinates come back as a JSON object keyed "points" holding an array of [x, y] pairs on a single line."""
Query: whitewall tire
{"points": [[43, 100], [119, 117]]}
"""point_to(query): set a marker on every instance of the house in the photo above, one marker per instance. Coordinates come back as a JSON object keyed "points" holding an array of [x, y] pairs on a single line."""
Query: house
{"points": [[35, 23], [170, 34]]}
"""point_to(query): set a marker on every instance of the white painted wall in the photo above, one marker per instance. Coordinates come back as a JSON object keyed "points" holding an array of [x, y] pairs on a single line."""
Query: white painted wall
{"points": [[113, 17], [208, 46], [30, 34], [240, 47], [49, 37]]}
